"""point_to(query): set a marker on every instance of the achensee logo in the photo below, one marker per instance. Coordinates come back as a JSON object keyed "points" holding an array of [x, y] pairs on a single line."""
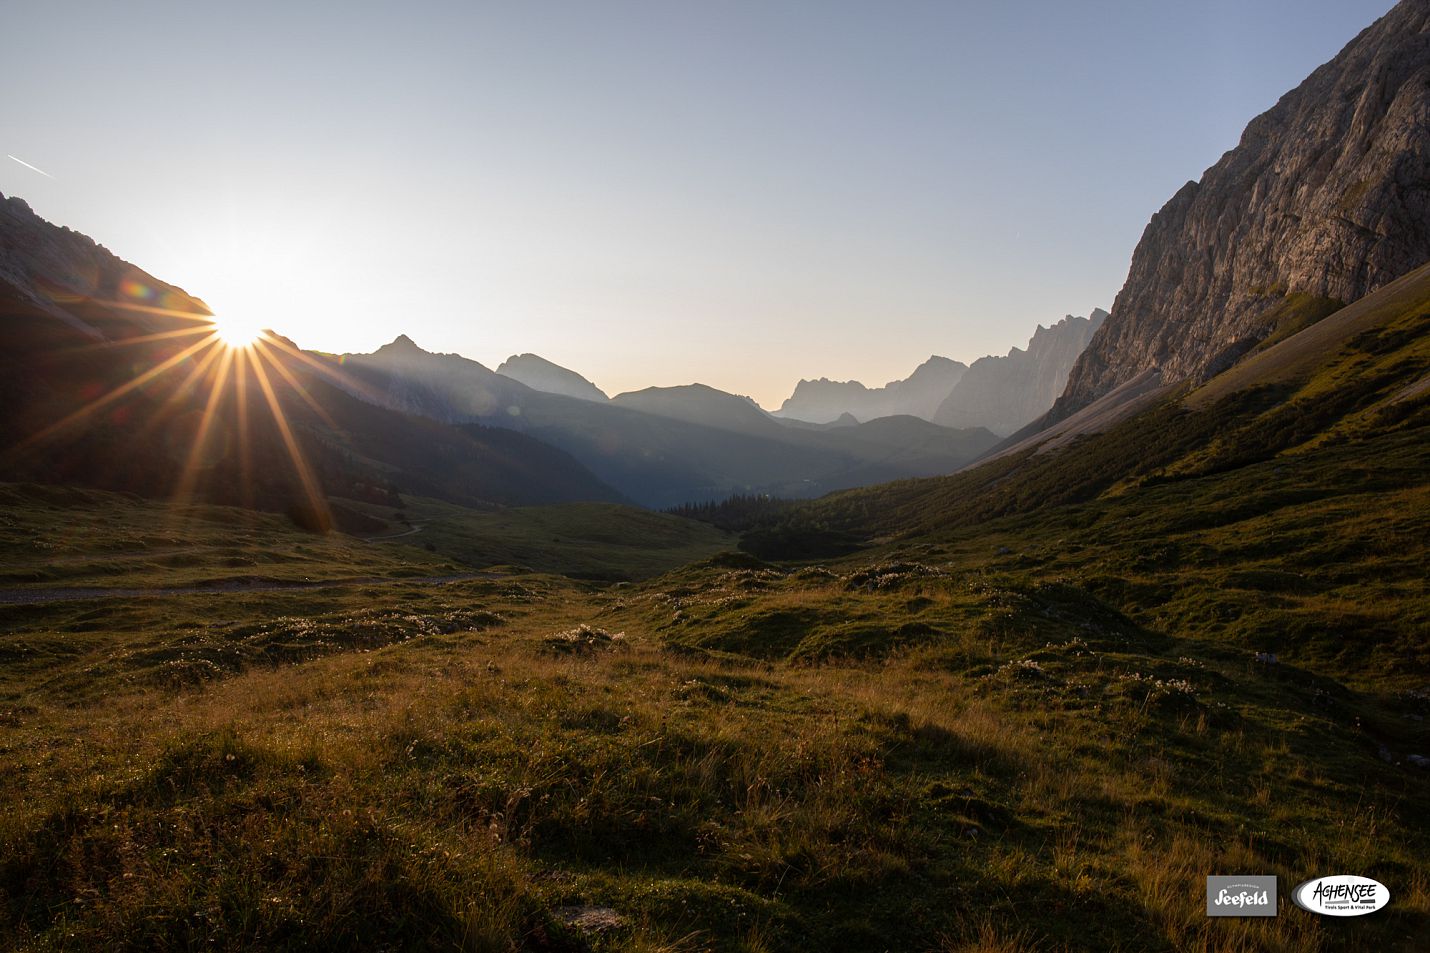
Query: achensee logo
{"points": [[1242, 895], [1342, 895]]}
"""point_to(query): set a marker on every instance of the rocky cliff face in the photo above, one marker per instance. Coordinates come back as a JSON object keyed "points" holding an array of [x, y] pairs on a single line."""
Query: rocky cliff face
{"points": [[540, 374], [56, 269], [1005, 393], [1326, 198], [824, 400]]}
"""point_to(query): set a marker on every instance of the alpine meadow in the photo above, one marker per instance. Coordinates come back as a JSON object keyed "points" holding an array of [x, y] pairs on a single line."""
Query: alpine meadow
{"points": [[314, 642]]}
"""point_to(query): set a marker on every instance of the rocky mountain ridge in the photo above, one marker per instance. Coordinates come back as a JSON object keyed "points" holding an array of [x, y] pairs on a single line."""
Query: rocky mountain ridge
{"points": [[538, 373], [1325, 199], [700, 404], [823, 401], [664, 445], [1005, 393], [55, 270]]}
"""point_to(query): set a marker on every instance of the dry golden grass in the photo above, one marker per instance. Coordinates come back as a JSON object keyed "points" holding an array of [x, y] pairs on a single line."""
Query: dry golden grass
{"points": [[1024, 775]]}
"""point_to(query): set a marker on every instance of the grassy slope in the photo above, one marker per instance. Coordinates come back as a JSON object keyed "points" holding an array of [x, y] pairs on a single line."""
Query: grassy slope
{"points": [[584, 540], [1285, 401], [981, 760], [71, 537], [1287, 513], [950, 744], [1027, 718]]}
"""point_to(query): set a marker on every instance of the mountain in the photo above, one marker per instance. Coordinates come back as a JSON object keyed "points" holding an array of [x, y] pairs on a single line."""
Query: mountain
{"points": [[1001, 394], [1279, 507], [915, 445], [701, 404], [446, 387], [540, 374], [1230, 381], [919, 395], [1005, 393], [1324, 200], [661, 446], [1026, 706], [75, 282], [113, 378]]}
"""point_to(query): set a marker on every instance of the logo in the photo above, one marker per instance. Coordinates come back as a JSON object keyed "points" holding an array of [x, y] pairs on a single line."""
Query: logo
{"points": [[1242, 895], [1341, 895]]}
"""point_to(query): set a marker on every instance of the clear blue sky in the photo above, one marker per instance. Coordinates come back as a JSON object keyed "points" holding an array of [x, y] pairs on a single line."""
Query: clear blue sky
{"points": [[741, 194]]}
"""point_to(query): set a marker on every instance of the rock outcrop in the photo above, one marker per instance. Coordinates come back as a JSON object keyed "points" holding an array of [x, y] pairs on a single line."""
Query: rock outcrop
{"points": [[824, 401], [1325, 199], [540, 374], [1005, 393]]}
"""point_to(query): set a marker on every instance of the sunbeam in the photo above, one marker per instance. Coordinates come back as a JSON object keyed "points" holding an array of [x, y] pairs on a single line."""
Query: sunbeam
{"points": [[332, 373], [310, 483], [143, 339], [214, 370], [157, 311], [189, 476], [100, 403], [260, 351], [183, 390], [245, 458]]}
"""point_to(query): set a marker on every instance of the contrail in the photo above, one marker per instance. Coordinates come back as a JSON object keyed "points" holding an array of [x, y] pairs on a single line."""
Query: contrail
{"points": [[28, 166]]}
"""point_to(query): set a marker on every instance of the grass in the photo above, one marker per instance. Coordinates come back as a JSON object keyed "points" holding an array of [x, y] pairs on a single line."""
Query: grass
{"points": [[1016, 709], [69, 537], [587, 540], [481, 765]]}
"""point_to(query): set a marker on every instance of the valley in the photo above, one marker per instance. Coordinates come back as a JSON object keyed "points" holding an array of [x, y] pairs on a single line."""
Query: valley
{"points": [[1058, 717], [388, 650]]}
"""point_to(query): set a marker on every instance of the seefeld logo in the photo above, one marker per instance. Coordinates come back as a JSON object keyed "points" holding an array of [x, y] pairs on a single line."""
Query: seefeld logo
{"points": [[1241, 895], [1341, 895]]}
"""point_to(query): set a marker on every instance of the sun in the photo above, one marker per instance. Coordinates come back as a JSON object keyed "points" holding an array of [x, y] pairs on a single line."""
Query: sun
{"points": [[236, 331]]}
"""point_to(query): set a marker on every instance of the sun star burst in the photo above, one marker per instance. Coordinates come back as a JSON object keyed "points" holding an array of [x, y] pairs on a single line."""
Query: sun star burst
{"points": [[237, 332]]}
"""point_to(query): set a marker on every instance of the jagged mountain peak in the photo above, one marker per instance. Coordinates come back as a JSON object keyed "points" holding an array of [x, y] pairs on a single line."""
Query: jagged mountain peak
{"points": [[1005, 393], [825, 401], [401, 344]]}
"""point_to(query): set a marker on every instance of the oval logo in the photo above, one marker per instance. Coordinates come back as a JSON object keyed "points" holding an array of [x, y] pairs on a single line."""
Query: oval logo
{"points": [[1341, 895]]}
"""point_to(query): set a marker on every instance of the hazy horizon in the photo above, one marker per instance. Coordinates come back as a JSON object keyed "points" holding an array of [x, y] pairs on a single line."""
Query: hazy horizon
{"points": [[649, 195]]}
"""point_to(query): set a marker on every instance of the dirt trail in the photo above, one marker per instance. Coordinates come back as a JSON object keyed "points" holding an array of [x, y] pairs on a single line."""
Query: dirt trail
{"points": [[417, 528], [13, 597]]}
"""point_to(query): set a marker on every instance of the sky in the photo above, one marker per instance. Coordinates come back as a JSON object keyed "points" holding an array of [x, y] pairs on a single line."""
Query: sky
{"points": [[741, 194]]}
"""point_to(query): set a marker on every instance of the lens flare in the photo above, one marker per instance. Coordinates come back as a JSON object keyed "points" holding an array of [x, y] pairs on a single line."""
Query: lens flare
{"points": [[231, 357], [237, 331]]}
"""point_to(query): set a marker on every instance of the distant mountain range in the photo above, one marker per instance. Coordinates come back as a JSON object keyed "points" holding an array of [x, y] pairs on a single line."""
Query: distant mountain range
{"points": [[997, 393], [919, 395], [1000, 394], [664, 445], [114, 378], [701, 404], [1005, 393]]}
